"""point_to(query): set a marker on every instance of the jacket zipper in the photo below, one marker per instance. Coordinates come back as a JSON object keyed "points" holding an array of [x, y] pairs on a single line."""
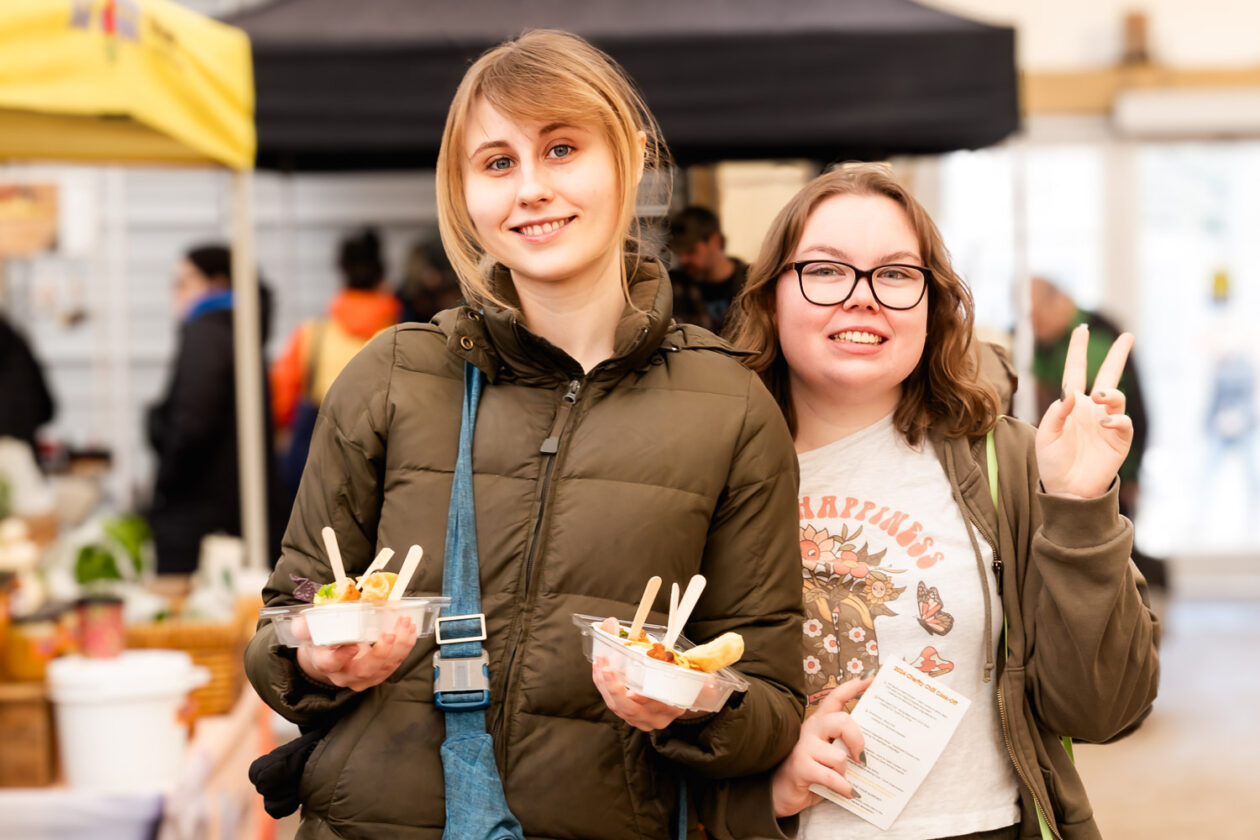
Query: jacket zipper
{"points": [[1010, 751], [550, 446]]}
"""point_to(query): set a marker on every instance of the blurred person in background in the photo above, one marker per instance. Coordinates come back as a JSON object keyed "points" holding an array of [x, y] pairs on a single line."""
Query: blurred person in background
{"points": [[929, 523], [1233, 419], [429, 284], [192, 429], [1054, 317], [320, 348], [706, 279], [25, 401]]}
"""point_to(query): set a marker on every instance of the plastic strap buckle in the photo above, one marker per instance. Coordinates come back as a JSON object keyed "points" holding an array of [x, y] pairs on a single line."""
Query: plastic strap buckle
{"points": [[481, 637], [461, 683]]}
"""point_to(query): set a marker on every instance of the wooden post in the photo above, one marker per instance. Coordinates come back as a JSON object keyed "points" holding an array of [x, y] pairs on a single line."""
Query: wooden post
{"points": [[249, 387]]}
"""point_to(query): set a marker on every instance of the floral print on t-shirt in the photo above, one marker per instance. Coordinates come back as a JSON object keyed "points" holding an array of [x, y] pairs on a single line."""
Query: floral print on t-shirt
{"points": [[844, 590]]}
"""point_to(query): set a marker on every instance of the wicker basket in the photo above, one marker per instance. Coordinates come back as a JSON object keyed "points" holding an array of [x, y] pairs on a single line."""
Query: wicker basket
{"points": [[27, 751], [218, 645]]}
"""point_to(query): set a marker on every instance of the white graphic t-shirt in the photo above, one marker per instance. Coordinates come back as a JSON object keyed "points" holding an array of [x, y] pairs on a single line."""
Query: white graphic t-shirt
{"points": [[889, 571]]}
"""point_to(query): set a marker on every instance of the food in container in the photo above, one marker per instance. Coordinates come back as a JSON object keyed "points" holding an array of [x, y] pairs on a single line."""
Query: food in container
{"points": [[376, 586], [359, 621], [349, 611], [670, 676], [356, 621], [338, 592]]}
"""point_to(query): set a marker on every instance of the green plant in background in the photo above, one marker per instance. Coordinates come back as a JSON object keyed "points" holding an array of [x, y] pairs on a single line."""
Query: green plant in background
{"points": [[95, 562], [133, 534], [5, 502], [126, 539]]}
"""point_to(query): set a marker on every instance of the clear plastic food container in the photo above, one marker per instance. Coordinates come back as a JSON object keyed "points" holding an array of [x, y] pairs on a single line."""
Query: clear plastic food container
{"points": [[676, 685], [354, 621]]}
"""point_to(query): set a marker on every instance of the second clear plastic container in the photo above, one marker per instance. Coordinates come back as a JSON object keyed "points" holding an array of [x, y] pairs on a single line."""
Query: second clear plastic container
{"points": [[675, 685], [355, 621]]}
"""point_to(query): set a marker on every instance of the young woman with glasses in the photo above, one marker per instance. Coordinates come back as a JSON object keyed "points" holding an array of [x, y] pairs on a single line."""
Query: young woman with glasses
{"points": [[862, 330]]}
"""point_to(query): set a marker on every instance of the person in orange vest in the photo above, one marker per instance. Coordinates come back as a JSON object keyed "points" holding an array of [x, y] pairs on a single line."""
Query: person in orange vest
{"points": [[320, 348]]}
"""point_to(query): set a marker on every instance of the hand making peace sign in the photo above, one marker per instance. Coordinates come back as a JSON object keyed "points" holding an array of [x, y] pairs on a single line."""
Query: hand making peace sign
{"points": [[1082, 441]]}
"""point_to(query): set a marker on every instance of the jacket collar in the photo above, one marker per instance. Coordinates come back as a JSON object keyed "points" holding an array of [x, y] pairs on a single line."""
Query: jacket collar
{"points": [[499, 343], [216, 301]]}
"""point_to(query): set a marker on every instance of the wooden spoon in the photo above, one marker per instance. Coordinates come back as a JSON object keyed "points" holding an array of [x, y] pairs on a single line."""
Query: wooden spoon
{"points": [[645, 605], [688, 603], [673, 610], [334, 554], [410, 562], [379, 563]]}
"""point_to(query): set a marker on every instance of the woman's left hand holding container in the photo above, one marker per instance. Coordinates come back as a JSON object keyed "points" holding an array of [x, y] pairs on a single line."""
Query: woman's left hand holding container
{"points": [[640, 712]]}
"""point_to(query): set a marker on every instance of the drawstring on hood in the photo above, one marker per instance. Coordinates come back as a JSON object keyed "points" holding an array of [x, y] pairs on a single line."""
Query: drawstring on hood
{"points": [[952, 474]]}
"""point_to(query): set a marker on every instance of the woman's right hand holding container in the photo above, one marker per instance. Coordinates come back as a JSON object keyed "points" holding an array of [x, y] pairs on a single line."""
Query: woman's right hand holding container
{"points": [[359, 666]]}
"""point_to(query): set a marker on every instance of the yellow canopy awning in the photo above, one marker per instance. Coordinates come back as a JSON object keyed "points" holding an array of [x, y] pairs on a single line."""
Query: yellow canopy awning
{"points": [[123, 81]]}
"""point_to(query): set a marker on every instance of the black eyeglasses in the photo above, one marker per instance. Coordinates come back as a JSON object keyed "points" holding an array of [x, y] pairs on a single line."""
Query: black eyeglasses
{"points": [[895, 286]]}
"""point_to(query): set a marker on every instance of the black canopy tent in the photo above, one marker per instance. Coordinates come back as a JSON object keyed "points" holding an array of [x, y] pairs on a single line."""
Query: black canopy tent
{"points": [[366, 84]]}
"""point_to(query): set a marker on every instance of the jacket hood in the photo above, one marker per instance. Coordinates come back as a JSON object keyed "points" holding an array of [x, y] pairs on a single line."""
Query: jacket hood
{"points": [[364, 313], [497, 340]]}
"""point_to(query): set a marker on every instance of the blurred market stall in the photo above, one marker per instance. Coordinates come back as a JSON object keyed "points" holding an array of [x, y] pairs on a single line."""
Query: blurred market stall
{"points": [[132, 82], [146, 81]]}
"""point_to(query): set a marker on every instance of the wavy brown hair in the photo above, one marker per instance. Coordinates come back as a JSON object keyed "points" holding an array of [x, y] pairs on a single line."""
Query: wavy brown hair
{"points": [[945, 387], [547, 76]]}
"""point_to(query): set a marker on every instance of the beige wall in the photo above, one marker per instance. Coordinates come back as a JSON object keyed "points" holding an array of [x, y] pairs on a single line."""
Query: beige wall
{"points": [[750, 194], [1080, 34]]}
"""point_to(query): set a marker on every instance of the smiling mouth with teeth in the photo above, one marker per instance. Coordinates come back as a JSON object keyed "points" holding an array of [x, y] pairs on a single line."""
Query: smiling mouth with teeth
{"points": [[858, 337], [544, 228]]}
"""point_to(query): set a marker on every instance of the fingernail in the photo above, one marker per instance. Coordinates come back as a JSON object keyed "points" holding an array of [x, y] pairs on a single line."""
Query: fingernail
{"points": [[1105, 421], [869, 672], [862, 758], [1063, 393], [855, 794]]}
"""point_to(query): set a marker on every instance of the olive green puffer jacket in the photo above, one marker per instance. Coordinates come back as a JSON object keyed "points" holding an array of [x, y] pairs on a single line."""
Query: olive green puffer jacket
{"points": [[668, 459]]}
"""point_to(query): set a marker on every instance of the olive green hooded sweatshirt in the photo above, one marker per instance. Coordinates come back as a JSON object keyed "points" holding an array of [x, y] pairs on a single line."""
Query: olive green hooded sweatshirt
{"points": [[1080, 658]]}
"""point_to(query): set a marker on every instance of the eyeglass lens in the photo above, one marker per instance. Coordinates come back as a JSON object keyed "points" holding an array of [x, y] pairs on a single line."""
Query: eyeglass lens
{"points": [[895, 286]]}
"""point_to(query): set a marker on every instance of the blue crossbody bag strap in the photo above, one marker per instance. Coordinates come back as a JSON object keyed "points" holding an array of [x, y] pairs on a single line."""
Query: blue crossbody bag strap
{"points": [[476, 807]]}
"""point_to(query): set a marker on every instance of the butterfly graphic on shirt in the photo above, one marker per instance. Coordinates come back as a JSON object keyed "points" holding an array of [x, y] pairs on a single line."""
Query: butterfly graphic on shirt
{"points": [[932, 615], [930, 662]]}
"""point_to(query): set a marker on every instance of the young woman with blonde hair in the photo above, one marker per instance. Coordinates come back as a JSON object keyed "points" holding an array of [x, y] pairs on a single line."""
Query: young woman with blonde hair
{"points": [[1023, 600], [610, 446]]}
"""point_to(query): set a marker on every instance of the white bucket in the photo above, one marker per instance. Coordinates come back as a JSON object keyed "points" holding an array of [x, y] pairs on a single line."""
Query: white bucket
{"points": [[118, 720]]}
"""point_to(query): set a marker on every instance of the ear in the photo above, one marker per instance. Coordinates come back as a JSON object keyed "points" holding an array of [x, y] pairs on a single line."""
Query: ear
{"points": [[640, 138]]}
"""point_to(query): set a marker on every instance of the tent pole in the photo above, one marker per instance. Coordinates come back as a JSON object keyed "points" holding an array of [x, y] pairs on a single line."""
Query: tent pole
{"points": [[117, 333], [249, 386], [1025, 401]]}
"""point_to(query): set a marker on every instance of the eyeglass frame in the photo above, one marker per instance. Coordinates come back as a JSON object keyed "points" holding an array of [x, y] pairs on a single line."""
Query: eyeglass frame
{"points": [[859, 275]]}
